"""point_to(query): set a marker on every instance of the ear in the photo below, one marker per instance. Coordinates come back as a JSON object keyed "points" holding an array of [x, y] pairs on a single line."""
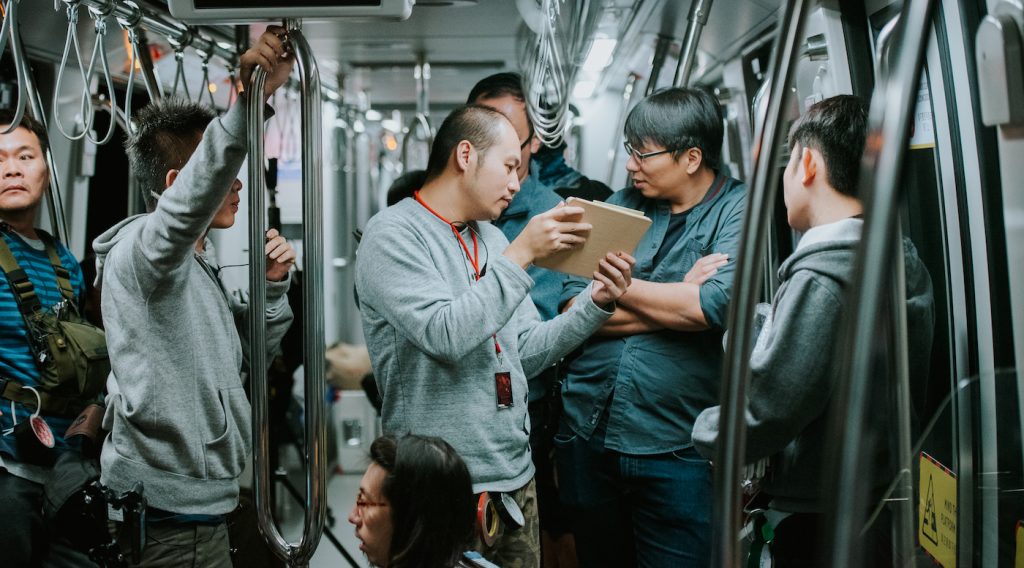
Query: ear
{"points": [[465, 154], [170, 177], [534, 144], [694, 158], [809, 165]]}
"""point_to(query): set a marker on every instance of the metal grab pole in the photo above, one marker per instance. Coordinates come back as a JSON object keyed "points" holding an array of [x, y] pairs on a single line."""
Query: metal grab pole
{"points": [[696, 20], [297, 554], [657, 62], [736, 369], [879, 188]]}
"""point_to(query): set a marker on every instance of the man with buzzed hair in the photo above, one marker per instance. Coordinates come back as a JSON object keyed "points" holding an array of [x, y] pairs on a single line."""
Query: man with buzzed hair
{"points": [[177, 412], [452, 333]]}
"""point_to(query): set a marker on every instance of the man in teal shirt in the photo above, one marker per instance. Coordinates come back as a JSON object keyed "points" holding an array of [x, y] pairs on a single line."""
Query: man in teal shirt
{"points": [[638, 492]]}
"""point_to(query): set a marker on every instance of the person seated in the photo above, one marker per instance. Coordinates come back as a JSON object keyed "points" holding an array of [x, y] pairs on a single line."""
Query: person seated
{"points": [[415, 506], [794, 362]]}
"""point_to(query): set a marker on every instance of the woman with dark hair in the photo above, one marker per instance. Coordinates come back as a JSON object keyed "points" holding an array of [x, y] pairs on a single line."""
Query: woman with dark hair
{"points": [[415, 504]]}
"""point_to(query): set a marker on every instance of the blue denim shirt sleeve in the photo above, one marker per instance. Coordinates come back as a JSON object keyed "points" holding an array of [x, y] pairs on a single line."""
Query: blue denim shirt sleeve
{"points": [[716, 291]]}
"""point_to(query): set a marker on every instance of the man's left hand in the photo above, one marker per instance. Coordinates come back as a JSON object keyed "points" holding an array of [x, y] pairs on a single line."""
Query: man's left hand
{"points": [[613, 277], [280, 256]]}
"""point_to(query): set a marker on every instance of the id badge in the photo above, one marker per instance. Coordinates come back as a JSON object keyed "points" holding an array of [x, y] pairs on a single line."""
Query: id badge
{"points": [[503, 389]]}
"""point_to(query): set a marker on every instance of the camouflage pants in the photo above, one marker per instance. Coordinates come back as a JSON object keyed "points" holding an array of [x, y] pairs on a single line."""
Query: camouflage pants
{"points": [[517, 548]]}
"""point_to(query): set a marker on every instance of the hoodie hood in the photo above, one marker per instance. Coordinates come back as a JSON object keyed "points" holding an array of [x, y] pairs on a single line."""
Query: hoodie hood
{"points": [[106, 241], [827, 250]]}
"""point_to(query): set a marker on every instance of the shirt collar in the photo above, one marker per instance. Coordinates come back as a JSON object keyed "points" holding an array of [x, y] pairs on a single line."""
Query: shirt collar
{"points": [[848, 229]]}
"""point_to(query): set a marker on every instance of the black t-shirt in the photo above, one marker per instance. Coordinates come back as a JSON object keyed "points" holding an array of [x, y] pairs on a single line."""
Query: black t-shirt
{"points": [[676, 226]]}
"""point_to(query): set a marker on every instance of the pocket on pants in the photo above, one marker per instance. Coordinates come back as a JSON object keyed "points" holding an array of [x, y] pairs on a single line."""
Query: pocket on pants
{"points": [[689, 455], [565, 435]]}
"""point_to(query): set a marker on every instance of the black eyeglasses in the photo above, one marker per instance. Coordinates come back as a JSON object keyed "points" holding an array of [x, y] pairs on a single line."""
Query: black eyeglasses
{"points": [[522, 145], [640, 157]]}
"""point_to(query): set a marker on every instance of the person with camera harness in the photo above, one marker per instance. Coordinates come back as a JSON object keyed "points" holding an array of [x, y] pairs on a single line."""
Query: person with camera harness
{"points": [[43, 386], [177, 413]]}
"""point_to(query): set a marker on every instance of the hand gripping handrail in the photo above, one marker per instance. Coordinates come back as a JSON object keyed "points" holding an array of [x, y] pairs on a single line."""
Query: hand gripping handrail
{"points": [[312, 298], [879, 188], [10, 30], [736, 369]]}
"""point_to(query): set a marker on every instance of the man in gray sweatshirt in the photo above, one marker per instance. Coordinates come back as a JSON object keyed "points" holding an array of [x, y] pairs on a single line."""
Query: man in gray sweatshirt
{"points": [[795, 359], [177, 414], [452, 332]]}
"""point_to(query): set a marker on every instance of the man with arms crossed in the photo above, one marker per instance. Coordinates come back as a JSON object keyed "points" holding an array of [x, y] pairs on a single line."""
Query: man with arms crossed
{"points": [[639, 494], [450, 326], [177, 413]]}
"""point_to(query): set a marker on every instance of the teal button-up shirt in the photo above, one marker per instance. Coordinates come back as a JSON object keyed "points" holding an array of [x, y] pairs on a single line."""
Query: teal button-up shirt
{"points": [[653, 385]]}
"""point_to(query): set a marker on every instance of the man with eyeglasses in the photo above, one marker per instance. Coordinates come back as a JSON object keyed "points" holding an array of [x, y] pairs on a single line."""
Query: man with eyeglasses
{"points": [[504, 93], [638, 492]]}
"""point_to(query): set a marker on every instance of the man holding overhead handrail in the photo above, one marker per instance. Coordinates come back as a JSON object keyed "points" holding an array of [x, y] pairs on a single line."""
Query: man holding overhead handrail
{"points": [[177, 414], [639, 492], [452, 332]]}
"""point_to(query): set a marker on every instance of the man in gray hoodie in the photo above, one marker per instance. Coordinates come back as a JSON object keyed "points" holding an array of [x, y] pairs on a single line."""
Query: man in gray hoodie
{"points": [[452, 332], [795, 362], [177, 414]]}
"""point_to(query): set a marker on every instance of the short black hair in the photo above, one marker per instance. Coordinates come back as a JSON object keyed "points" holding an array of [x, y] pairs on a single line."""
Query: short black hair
{"points": [[167, 132], [430, 493], [836, 127], [678, 119], [497, 85], [474, 123], [28, 123]]}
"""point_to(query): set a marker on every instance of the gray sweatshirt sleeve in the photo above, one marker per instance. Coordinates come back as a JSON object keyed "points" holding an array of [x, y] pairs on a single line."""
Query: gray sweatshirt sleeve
{"points": [[279, 318], [186, 208], [544, 343], [791, 381], [396, 277]]}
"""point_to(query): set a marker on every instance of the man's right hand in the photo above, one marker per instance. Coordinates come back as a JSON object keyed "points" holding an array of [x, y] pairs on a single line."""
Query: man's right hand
{"points": [[553, 231], [270, 53]]}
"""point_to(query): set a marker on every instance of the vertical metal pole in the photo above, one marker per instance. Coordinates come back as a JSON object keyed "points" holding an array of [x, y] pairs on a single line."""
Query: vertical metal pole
{"points": [[881, 167], [736, 371], [627, 96], [903, 519], [657, 62], [696, 20], [145, 59], [315, 457]]}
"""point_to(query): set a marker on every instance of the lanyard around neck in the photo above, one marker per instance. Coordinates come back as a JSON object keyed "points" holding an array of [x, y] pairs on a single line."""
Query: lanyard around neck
{"points": [[474, 259]]}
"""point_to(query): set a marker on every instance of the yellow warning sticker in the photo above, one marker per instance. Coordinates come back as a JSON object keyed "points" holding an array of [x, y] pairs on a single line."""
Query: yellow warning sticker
{"points": [[1019, 561], [937, 533]]}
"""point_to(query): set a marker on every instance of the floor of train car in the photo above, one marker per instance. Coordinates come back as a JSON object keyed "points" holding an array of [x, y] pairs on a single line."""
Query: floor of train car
{"points": [[341, 495]]}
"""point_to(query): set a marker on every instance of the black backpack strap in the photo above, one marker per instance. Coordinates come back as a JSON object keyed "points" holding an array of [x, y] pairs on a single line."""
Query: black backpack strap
{"points": [[63, 276], [21, 286]]}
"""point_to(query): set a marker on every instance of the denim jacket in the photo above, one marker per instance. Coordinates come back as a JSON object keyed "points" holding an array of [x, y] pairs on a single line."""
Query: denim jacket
{"points": [[654, 385]]}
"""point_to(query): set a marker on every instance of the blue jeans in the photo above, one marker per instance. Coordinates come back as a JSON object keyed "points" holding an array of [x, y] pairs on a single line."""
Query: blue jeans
{"points": [[632, 510]]}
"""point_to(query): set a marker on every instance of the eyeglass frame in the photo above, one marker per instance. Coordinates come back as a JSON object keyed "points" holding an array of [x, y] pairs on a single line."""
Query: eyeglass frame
{"points": [[640, 157], [522, 145], [362, 504]]}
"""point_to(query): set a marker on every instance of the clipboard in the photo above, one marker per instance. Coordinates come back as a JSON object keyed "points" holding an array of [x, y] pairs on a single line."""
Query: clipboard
{"points": [[615, 229]]}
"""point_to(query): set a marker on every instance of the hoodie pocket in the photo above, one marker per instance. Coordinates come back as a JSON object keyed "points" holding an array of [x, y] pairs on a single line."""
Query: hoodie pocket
{"points": [[225, 455]]}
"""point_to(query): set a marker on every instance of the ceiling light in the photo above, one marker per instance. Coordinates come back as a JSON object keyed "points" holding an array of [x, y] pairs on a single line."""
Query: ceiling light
{"points": [[584, 90], [600, 54]]}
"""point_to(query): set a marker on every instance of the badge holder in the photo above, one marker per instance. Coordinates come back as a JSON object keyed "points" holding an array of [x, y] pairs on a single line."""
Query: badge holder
{"points": [[33, 438], [502, 382]]}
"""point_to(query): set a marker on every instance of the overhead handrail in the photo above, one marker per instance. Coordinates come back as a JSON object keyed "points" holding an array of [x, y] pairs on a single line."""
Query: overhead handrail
{"points": [[204, 87], [695, 22], [419, 123], [10, 30], [297, 554], [130, 20], [882, 46], [26, 82], [71, 42], [99, 17], [179, 72], [736, 369], [133, 41], [879, 187]]}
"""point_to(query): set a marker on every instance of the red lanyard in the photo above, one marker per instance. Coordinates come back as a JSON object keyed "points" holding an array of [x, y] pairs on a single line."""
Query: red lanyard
{"points": [[474, 259]]}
